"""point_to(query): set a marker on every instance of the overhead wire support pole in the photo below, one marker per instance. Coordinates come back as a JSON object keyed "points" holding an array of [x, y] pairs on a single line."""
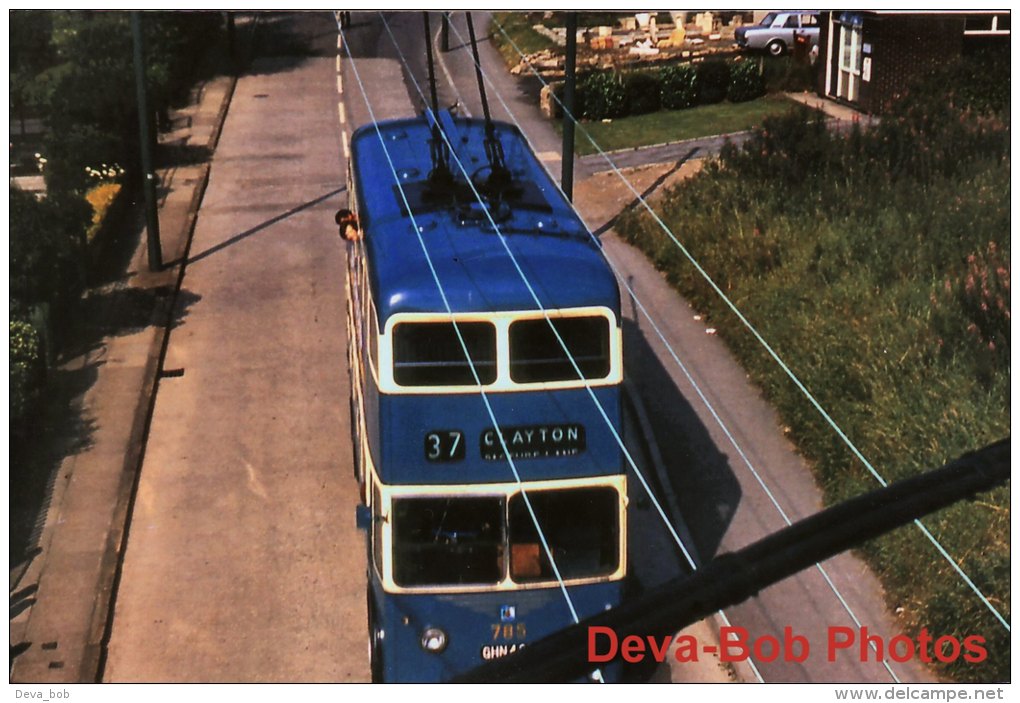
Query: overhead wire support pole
{"points": [[431, 64], [736, 576], [569, 81], [145, 143]]}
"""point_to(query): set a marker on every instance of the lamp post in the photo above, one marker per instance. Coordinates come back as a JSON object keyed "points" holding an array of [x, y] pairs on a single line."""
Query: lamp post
{"points": [[145, 138], [570, 78]]}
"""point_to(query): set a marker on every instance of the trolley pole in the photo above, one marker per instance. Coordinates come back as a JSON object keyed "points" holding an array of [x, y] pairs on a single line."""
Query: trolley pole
{"points": [[570, 78], [231, 36], [444, 33], [145, 137]]}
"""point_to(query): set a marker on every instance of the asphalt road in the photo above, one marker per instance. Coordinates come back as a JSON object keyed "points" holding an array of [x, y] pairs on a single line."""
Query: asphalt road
{"points": [[243, 562]]}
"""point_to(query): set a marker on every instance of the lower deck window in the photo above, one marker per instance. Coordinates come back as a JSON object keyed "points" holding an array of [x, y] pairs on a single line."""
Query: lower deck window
{"points": [[581, 527], [461, 541], [448, 541]]}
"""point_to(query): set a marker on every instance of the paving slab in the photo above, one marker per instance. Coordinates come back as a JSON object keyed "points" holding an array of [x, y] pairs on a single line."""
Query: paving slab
{"points": [[74, 568]]}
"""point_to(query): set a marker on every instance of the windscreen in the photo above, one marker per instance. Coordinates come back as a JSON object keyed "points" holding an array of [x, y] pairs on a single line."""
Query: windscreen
{"points": [[448, 541], [441, 541], [581, 527]]}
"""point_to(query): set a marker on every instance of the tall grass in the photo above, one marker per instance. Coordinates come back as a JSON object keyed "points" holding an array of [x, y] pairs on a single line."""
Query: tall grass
{"points": [[877, 265]]}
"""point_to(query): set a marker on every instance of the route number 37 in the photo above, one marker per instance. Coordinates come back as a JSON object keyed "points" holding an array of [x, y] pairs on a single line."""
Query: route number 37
{"points": [[444, 445]]}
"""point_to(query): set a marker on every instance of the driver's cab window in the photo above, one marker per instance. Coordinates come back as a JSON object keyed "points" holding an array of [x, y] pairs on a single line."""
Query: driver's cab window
{"points": [[791, 22]]}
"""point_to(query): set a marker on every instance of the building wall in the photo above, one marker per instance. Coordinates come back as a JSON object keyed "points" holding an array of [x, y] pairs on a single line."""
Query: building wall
{"points": [[823, 47], [905, 47], [900, 48]]}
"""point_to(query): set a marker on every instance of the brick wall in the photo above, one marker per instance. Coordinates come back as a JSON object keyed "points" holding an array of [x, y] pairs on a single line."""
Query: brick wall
{"points": [[903, 48]]}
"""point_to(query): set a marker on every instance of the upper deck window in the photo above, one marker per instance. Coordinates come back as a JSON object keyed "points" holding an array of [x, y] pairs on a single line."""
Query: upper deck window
{"points": [[987, 24], [431, 353], [537, 352]]}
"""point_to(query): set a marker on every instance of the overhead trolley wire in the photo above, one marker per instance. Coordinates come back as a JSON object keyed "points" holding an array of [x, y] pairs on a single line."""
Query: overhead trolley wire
{"points": [[463, 344], [711, 409], [761, 340]]}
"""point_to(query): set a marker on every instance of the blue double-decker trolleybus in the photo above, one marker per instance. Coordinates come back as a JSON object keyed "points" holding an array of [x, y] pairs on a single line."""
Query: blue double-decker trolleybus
{"points": [[486, 363]]}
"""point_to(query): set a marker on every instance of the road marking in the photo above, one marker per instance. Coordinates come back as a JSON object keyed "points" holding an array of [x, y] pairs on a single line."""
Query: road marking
{"points": [[339, 84], [549, 156], [343, 112], [338, 63], [343, 139], [339, 41]]}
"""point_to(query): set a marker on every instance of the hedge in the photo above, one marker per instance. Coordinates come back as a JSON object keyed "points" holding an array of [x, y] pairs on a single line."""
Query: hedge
{"points": [[678, 86], [604, 97], [746, 82], [608, 95]]}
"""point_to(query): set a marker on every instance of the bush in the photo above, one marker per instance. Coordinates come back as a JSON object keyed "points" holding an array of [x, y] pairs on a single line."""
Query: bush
{"points": [[678, 87], [559, 100], [877, 264], [784, 75], [979, 82], [785, 150], [642, 93], [713, 81], [604, 97], [46, 245], [27, 371], [87, 92], [746, 82]]}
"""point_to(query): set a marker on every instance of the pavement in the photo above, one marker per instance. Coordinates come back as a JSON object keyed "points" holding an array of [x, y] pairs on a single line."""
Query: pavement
{"points": [[833, 110], [63, 588]]}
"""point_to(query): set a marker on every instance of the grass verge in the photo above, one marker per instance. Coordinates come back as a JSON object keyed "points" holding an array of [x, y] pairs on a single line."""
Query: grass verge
{"points": [[877, 266], [677, 125], [518, 26]]}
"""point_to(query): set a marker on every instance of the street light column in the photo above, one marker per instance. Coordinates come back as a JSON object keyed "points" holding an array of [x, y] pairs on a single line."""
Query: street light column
{"points": [[145, 138]]}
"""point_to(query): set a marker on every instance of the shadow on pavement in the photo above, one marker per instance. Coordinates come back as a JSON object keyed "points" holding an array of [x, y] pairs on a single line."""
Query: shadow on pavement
{"points": [[283, 41], [706, 488], [63, 427], [263, 225], [654, 186], [58, 431]]}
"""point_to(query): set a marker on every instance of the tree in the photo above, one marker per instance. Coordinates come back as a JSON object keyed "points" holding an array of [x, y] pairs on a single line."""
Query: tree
{"points": [[92, 117], [46, 240], [31, 54]]}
